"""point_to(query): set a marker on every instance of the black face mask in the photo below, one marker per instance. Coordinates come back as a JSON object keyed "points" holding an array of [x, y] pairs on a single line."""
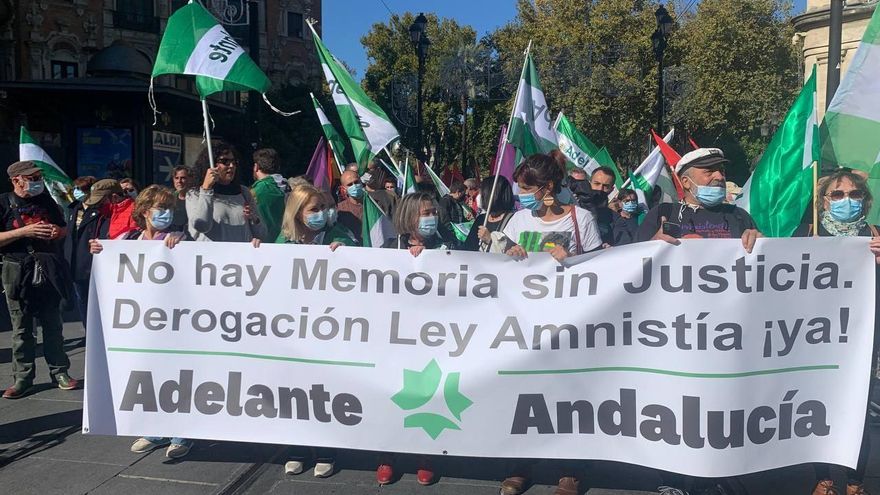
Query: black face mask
{"points": [[576, 185]]}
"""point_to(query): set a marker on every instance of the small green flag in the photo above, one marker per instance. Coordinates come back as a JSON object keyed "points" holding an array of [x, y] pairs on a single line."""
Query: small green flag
{"points": [[377, 227], [333, 137], [57, 182]]}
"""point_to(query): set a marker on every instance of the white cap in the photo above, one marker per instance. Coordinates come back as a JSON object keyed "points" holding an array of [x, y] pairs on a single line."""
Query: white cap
{"points": [[701, 158]]}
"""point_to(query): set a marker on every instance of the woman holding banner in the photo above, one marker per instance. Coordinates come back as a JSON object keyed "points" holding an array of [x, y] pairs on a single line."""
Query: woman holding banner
{"points": [[417, 224], [154, 216], [222, 210], [489, 239], [845, 199], [307, 220], [544, 223]]}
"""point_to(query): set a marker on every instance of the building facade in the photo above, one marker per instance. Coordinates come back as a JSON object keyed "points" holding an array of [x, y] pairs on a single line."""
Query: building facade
{"points": [[812, 29], [76, 73]]}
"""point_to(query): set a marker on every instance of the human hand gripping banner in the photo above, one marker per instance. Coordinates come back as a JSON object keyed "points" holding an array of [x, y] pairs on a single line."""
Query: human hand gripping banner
{"points": [[699, 358]]}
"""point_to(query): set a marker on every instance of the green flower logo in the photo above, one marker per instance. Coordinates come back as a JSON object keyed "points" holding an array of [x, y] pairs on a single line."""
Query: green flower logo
{"points": [[419, 387]]}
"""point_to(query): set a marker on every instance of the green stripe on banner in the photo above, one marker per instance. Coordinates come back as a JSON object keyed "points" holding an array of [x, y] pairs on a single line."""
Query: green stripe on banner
{"points": [[820, 367], [266, 357]]}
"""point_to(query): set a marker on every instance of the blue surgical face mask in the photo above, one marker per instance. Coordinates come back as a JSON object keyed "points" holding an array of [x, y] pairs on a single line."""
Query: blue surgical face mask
{"points": [[78, 194], [630, 206], [846, 209], [427, 226], [332, 216], [161, 219], [710, 196], [35, 187], [317, 220], [529, 202], [355, 190]]}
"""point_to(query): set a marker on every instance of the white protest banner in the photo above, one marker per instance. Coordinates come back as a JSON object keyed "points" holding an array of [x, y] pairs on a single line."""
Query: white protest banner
{"points": [[696, 358]]}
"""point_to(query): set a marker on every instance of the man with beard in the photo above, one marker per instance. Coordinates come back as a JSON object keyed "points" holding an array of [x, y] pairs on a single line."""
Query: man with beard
{"points": [[592, 195], [702, 214]]}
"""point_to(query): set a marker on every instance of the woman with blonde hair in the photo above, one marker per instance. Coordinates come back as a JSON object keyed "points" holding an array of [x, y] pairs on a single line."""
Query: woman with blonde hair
{"points": [[305, 220]]}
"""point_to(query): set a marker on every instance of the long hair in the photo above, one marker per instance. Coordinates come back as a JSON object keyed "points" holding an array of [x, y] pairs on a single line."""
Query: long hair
{"points": [[408, 210], [503, 200], [154, 196], [291, 225]]}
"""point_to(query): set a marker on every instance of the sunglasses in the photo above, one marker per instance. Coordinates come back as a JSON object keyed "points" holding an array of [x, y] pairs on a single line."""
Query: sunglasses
{"points": [[226, 161], [838, 195]]}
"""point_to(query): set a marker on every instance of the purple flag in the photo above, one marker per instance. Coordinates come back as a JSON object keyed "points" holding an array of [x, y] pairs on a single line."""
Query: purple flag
{"points": [[317, 172], [508, 164]]}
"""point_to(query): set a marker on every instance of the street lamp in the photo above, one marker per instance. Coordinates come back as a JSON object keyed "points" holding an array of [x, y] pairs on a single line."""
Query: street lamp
{"points": [[660, 39], [420, 43]]}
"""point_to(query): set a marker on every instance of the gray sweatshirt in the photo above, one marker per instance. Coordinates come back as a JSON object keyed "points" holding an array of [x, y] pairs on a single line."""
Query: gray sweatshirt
{"points": [[220, 217]]}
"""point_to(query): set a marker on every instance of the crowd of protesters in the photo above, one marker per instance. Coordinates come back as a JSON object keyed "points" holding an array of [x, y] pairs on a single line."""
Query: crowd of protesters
{"points": [[47, 251]]}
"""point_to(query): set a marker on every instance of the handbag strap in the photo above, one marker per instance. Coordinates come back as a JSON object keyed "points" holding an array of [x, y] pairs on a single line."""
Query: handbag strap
{"points": [[577, 231]]}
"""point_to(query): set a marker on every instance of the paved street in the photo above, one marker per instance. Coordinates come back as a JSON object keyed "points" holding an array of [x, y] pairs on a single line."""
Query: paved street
{"points": [[43, 452]]}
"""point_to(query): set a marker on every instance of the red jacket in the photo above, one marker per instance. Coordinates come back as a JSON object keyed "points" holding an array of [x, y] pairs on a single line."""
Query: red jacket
{"points": [[120, 218]]}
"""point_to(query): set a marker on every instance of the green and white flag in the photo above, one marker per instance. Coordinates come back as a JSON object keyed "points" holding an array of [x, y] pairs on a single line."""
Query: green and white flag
{"points": [[377, 227], [333, 137], [462, 230], [57, 182], [781, 187], [367, 125], [577, 147], [194, 43], [408, 180], [852, 122], [646, 176], [531, 128], [442, 189]]}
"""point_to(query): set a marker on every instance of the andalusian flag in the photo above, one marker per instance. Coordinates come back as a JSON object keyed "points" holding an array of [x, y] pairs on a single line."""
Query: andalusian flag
{"points": [[407, 182], [57, 182], [781, 187], [531, 129], [852, 123], [195, 43], [367, 125], [377, 227], [574, 145], [333, 138], [648, 173], [442, 189]]}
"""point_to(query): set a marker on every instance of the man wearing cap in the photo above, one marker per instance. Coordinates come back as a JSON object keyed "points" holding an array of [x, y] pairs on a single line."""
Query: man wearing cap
{"points": [[702, 214], [31, 229], [90, 220]]}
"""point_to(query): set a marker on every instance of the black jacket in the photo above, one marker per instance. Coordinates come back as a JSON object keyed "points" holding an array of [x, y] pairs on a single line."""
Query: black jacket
{"points": [[94, 225]]}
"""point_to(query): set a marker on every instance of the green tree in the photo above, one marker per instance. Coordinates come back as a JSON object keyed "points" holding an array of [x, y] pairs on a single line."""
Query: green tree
{"points": [[741, 69], [391, 55]]}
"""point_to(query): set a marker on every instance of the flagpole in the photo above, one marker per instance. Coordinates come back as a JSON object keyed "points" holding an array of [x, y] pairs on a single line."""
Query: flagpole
{"points": [[393, 161], [405, 174], [504, 141], [815, 199], [207, 133]]}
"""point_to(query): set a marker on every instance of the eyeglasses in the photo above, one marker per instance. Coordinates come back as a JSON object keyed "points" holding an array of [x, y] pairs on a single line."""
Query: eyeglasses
{"points": [[226, 161], [838, 195]]}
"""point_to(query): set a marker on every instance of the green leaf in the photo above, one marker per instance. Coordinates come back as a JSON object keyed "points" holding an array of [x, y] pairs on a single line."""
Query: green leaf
{"points": [[433, 424], [418, 386], [455, 400]]}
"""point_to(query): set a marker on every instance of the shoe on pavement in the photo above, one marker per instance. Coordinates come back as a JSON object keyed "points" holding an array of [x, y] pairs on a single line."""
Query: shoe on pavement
{"points": [[323, 469], [670, 490], [384, 474], [856, 489], [177, 450], [17, 390], [65, 382], [514, 485], [293, 467], [567, 486], [142, 445], [825, 487], [425, 476]]}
